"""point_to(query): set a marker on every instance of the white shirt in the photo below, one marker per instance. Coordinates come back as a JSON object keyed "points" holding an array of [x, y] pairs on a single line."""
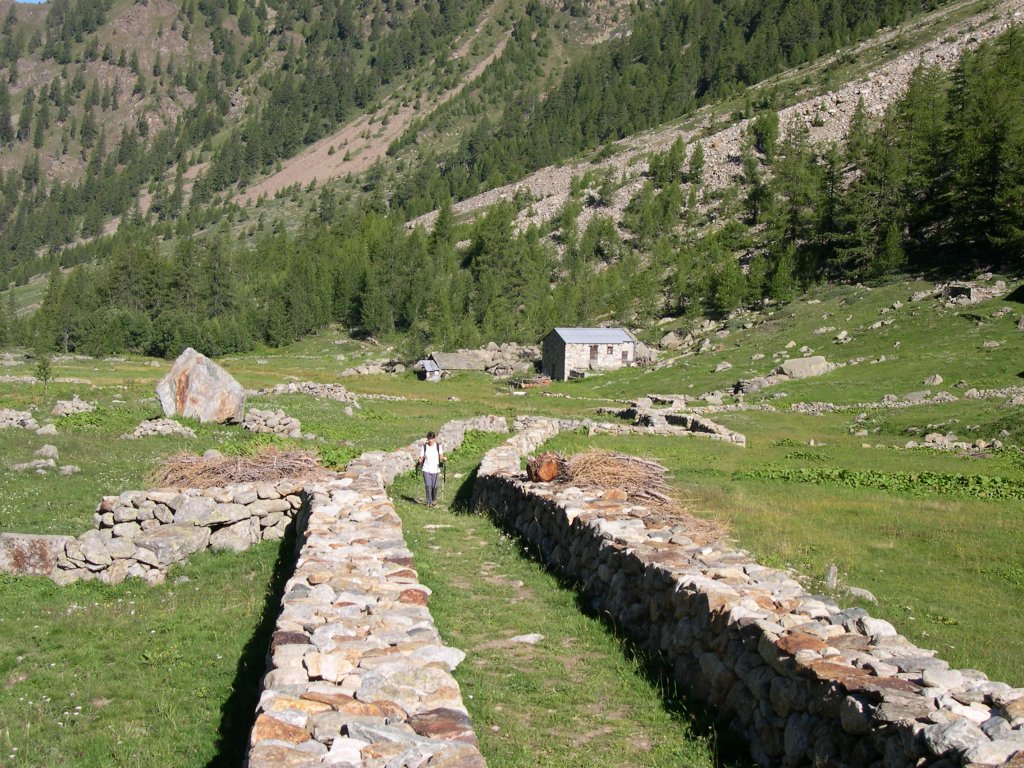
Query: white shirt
{"points": [[431, 458]]}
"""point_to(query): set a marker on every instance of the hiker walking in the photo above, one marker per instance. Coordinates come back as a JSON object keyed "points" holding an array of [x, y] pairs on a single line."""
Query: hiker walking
{"points": [[430, 461]]}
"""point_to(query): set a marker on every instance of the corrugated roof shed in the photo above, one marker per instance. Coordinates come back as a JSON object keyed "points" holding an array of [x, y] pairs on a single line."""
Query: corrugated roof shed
{"points": [[594, 335], [428, 365]]}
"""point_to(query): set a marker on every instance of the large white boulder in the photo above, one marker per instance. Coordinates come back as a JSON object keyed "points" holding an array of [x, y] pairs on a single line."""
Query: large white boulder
{"points": [[198, 388], [805, 367]]}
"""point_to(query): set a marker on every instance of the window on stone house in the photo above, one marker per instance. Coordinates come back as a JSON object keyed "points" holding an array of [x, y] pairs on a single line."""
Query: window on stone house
{"points": [[610, 350]]}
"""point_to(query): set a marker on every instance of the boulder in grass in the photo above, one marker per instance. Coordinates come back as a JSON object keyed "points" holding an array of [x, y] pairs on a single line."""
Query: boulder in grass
{"points": [[198, 388], [29, 554], [805, 367]]}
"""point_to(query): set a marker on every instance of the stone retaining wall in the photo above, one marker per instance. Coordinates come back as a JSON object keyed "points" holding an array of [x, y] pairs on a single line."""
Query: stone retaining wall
{"points": [[143, 533], [358, 673], [808, 682]]}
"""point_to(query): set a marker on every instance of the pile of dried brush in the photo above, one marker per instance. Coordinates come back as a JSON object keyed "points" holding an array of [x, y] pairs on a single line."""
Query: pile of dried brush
{"points": [[186, 470], [642, 481]]}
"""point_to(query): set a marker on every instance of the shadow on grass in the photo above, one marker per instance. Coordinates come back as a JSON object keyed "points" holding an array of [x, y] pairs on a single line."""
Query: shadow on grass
{"points": [[461, 503], [238, 713]]}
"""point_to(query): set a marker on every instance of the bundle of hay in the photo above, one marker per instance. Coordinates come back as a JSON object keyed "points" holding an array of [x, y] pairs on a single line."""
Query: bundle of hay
{"points": [[187, 470], [619, 477]]}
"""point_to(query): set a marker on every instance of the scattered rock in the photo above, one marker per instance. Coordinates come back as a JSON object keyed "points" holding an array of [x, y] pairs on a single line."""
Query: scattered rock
{"points": [[17, 419], [861, 594], [312, 388], [531, 639], [272, 422], [155, 427], [805, 367], [72, 406], [38, 465]]}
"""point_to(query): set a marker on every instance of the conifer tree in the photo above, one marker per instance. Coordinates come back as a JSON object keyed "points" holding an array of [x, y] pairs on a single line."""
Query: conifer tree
{"points": [[5, 327], [25, 118], [6, 129], [42, 123]]}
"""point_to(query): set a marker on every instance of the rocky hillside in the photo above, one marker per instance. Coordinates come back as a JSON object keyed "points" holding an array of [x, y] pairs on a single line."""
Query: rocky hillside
{"points": [[879, 68]]}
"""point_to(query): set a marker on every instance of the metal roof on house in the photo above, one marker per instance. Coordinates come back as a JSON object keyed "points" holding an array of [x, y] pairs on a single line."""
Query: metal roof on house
{"points": [[428, 365], [594, 335]]}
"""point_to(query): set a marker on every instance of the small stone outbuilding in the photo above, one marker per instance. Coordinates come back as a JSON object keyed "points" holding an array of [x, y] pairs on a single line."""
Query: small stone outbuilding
{"points": [[427, 370], [577, 350]]}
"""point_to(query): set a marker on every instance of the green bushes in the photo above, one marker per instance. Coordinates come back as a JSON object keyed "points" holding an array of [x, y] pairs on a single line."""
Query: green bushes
{"points": [[985, 487]]}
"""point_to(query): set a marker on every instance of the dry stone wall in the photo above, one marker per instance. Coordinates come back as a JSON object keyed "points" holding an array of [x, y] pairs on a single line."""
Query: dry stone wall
{"points": [[808, 682], [140, 534], [358, 673], [272, 422], [662, 421], [159, 427]]}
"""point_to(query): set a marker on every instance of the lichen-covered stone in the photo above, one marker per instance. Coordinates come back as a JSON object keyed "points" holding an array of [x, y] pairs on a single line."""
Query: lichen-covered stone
{"points": [[173, 543], [198, 388]]}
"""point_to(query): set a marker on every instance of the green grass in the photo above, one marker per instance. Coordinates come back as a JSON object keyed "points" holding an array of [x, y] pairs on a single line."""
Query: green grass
{"points": [[132, 675], [945, 566], [580, 697]]}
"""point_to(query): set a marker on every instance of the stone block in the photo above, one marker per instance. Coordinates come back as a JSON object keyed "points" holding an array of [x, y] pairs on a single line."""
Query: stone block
{"points": [[31, 555], [173, 543]]}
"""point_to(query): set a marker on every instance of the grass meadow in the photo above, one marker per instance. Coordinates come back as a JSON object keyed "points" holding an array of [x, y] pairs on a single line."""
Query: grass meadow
{"points": [[136, 675]]}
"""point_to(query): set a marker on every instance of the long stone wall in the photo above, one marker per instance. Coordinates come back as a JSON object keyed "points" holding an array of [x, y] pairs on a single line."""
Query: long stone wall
{"points": [[141, 534], [808, 682], [358, 675]]}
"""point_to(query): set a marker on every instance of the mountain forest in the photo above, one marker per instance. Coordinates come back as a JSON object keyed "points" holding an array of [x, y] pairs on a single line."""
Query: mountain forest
{"points": [[124, 171]]}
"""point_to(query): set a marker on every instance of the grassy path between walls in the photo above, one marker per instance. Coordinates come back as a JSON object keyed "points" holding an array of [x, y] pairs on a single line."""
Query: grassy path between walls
{"points": [[578, 696]]}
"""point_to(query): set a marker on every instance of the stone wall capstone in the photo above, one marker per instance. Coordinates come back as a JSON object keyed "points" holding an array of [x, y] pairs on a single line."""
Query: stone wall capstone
{"points": [[807, 681]]}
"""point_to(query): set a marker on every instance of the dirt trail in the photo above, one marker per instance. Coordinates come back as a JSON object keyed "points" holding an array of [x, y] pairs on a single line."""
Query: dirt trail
{"points": [[827, 116], [353, 151]]}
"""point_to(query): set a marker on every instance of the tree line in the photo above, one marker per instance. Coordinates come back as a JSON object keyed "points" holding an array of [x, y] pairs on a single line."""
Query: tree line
{"points": [[936, 184]]}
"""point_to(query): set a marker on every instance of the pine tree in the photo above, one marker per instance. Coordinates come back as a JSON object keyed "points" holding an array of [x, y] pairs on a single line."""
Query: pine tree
{"points": [[5, 327], [42, 123], [695, 170], [6, 129], [88, 129], [25, 118]]}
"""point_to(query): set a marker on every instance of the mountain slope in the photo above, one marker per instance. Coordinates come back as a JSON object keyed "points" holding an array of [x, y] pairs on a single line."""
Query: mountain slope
{"points": [[948, 32]]}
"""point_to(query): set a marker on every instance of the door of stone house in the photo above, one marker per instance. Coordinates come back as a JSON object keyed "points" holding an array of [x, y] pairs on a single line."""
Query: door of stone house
{"points": [[593, 355], [625, 356]]}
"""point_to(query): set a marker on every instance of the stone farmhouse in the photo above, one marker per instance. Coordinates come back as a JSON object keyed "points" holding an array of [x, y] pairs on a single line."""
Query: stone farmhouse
{"points": [[569, 352]]}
